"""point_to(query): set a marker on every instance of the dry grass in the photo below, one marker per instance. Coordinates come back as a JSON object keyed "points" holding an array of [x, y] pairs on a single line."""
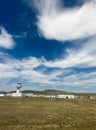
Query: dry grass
{"points": [[43, 114]]}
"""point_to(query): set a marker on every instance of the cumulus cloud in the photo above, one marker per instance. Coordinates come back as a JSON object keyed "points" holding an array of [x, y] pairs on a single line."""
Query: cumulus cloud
{"points": [[9, 68], [12, 69], [59, 23], [6, 40]]}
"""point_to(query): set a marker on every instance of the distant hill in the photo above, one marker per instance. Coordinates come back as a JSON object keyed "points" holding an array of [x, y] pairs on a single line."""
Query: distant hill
{"points": [[47, 92]]}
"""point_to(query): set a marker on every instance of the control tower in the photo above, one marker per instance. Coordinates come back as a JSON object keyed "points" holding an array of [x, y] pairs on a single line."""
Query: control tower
{"points": [[17, 93], [18, 86]]}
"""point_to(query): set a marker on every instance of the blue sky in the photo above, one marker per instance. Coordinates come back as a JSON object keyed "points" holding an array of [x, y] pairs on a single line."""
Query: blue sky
{"points": [[48, 44]]}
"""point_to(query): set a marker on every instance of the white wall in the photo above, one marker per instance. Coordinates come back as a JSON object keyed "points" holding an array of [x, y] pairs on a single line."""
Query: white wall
{"points": [[66, 96], [28, 94], [16, 94]]}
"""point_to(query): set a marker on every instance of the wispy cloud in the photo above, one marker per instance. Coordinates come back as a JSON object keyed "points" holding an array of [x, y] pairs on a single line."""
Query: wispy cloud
{"points": [[84, 57], [60, 23], [6, 39]]}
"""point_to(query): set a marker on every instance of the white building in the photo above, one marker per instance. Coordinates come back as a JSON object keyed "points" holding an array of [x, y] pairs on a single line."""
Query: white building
{"points": [[2, 95], [66, 96], [16, 94]]}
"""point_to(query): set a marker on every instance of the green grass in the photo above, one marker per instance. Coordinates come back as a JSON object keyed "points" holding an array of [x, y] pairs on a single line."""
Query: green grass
{"points": [[43, 114]]}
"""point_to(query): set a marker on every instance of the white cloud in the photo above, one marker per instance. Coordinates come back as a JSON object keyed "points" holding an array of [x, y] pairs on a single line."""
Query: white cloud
{"points": [[30, 63], [84, 57], [6, 40], [80, 80], [56, 22], [25, 69]]}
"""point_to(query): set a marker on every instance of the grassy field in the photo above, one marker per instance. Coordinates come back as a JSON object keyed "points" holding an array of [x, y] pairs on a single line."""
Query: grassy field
{"points": [[43, 114]]}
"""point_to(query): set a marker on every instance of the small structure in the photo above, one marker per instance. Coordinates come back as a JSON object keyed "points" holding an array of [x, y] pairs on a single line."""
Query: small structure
{"points": [[18, 93]]}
